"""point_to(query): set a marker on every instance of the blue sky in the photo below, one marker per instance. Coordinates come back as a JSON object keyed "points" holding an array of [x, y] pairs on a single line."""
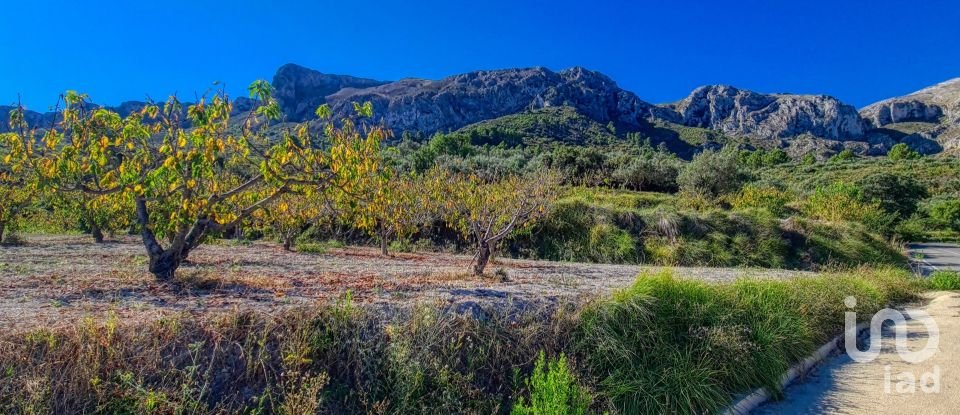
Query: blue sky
{"points": [[858, 51]]}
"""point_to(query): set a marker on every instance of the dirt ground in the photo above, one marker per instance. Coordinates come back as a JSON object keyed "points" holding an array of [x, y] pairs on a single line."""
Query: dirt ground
{"points": [[60, 280]]}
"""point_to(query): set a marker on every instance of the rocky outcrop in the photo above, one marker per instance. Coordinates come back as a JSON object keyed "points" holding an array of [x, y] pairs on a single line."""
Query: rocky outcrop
{"points": [[932, 114], [936, 104], [450, 103], [906, 110], [740, 112], [34, 119], [299, 90]]}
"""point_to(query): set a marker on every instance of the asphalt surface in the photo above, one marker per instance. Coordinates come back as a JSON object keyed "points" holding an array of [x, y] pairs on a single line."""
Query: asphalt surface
{"points": [[883, 386], [935, 256]]}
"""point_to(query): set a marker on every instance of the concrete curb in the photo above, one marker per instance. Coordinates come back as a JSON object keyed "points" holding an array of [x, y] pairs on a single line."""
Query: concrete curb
{"points": [[760, 396]]}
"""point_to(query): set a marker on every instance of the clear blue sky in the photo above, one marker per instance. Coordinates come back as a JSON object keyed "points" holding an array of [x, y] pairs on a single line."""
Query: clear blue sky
{"points": [[859, 51]]}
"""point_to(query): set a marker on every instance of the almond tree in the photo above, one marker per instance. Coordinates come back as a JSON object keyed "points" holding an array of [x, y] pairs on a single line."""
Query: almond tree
{"points": [[487, 211], [291, 215], [394, 206], [18, 179], [99, 213], [185, 183]]}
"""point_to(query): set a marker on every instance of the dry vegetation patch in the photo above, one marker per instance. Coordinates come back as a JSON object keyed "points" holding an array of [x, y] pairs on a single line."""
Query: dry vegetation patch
{"points": [[57, 280]]}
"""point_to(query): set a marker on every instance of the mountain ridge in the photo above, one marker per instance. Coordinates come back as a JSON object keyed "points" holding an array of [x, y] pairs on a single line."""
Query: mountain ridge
{"points": [[798, 122]]}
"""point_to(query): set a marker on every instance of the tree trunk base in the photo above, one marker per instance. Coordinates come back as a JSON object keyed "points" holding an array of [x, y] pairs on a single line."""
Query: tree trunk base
{"points": [[164, 266], [483, 257], [97, 234]]}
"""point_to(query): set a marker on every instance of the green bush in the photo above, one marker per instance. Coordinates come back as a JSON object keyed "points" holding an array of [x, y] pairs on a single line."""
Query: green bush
{"points": [[946, 211], [845, 155], [845, 202], [897, 194], [713, 173], [607, 244], [553, 390], [762, 197], [655, 170], [901, 151], [944, 280], [820, 244]]}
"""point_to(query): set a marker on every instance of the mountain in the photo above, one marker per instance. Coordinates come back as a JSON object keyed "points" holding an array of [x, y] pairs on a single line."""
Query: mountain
{"points": [[580, 106], [769, 116], [927, 119], [451, 103], [300, 90]]}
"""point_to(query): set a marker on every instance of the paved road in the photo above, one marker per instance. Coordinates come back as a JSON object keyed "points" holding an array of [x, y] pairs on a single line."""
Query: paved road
{"points": [[935, 256], [881, 386]]}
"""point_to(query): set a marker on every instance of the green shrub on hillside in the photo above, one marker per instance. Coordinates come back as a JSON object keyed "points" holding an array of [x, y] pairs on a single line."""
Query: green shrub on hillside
{"points": [[845, 202], [842, 156], [817, 244], [763, 158], [713, 173], [770, 198], [656, 170], [897, 194], [946, 211], [901, 151]]}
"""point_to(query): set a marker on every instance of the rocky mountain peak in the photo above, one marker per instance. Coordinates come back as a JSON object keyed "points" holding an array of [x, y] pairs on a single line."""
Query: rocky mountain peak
{"points": [[928, 120], [741, 112], [926, 105], [456, 101], [300, 90]]}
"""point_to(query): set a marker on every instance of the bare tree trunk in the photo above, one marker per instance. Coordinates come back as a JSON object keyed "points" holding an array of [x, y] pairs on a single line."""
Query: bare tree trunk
{"points": [[96, 232], [288, 243], [3, 227], [164, 265], [383, 239], [483, 257], [164, 262]]}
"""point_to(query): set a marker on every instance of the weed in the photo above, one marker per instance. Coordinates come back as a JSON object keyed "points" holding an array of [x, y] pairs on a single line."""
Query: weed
{"points": [[554, 390], [944, 280]]}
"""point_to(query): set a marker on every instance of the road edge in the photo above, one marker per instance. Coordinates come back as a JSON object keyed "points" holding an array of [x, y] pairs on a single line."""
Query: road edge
{"points": [[761, 395]]}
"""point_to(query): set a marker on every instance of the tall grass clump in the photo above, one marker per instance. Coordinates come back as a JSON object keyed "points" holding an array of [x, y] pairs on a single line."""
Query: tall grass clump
{"points": [[944, 280], [670, 345]]}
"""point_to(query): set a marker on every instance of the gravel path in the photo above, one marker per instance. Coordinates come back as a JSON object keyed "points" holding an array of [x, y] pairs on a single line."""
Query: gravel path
{"points": [[59, 280]]}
